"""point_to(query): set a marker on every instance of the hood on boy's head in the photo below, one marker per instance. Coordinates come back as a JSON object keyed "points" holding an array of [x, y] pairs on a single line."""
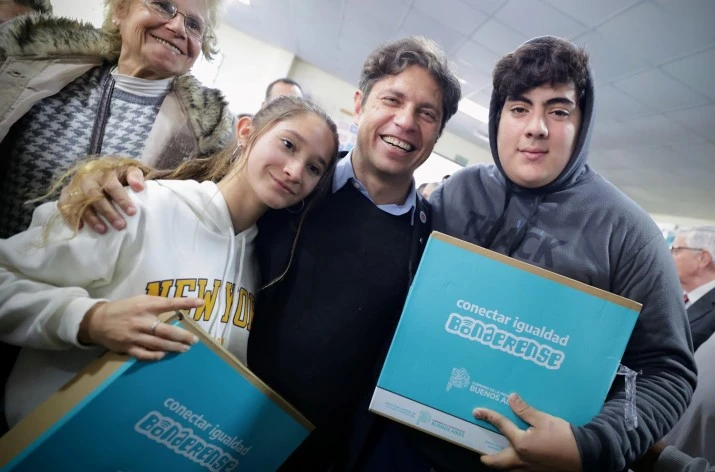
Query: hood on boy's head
{"points": [[523, 79]]}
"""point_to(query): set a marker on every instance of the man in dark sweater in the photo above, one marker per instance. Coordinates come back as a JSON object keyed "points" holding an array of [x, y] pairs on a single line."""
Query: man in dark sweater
{"points": [[323, 328]]}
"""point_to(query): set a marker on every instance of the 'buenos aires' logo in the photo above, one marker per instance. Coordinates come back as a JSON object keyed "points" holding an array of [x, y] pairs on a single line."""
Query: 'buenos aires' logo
{"points": [[458, 378], [424, 418]]}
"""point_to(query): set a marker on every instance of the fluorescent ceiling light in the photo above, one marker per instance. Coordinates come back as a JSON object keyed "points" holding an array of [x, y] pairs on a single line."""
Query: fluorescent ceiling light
{"points": [[246, 2], [475, 110]]}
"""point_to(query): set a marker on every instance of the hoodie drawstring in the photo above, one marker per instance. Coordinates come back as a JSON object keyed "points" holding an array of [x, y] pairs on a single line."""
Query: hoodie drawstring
{"points": [[500, 221], [519, 237]]}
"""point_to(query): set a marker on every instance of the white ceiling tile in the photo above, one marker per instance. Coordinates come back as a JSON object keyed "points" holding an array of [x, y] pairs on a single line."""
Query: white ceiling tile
{"points": [[304, 25], [354, 51], [609, 61], [476, 56], [391, 11], [419, 23], [487, 6], [699, 119], [498, 38], [614, 105], [698, 155], [589, 12], [482, 97], [609, 135], [536, 18], [696, 16], [697, 71], [612, 163], [311, 44], [657, 130], [363, 27], [659, 90], [459, 16], [656, 33], [473, 79]]}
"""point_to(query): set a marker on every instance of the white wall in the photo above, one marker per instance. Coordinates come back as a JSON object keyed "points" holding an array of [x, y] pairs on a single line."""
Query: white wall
{"points": [[247, 67], [86, 10]]}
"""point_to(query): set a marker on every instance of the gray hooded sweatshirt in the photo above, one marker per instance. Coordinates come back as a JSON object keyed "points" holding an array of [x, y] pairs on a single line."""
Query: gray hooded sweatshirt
{"points": [[582, 227]]}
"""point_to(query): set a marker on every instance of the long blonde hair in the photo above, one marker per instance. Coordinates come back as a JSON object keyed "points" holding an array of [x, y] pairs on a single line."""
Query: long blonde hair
{"points": [[214, 167]]}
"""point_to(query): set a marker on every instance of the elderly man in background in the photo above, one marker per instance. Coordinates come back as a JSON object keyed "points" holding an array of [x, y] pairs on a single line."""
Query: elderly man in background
{"points": [[283, 87], [693, 250]]}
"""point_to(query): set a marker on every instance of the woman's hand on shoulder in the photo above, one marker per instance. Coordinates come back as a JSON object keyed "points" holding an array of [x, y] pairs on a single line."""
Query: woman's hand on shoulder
{"points": [[131, 326], [109, 188]]}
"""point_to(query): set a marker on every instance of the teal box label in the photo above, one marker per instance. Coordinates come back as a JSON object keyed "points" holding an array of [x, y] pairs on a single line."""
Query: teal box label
{"points": [[478, 326]]}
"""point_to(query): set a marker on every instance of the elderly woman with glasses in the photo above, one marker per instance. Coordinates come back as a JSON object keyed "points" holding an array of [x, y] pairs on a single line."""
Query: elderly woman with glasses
{"points": [[70, 90]]}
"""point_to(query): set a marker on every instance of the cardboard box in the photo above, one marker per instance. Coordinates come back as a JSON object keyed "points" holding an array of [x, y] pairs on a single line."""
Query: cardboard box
{"points": [[478, 325], [199, 410]]}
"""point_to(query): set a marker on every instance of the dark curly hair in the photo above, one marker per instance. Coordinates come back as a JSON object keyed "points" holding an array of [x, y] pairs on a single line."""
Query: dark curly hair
{"points": [[545, 60]]}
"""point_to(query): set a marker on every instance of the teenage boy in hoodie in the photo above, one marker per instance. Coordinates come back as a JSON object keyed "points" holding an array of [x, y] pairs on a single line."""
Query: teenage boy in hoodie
{"points": [[541, 203]]}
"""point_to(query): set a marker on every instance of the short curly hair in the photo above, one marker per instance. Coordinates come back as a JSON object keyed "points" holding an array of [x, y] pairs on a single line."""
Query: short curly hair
{"points": [[394, 57], [540, 61]]}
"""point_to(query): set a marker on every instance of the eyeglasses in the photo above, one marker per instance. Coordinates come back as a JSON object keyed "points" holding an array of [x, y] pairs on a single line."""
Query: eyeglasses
{"points": [[676, 249], [195, 28]]}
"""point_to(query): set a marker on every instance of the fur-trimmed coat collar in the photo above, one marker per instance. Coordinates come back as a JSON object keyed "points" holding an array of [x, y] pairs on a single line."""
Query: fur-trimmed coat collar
{"points": [[45, 36]]}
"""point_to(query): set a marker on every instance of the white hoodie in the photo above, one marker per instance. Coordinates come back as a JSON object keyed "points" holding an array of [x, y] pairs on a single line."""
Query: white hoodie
{"points": [[180, 243]]}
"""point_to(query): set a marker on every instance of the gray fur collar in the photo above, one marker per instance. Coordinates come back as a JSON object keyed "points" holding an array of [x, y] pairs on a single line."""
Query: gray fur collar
{"points": [[42, 36], [45, 35], [208, 113]]}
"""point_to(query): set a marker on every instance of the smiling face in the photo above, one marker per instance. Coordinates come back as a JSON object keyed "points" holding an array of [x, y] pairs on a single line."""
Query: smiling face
{"points": [[537, 134], [285, 163], [398, 126], [154, 47]]}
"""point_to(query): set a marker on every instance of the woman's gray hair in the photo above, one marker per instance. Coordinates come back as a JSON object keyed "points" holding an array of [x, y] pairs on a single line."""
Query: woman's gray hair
{"points": [[208, 46]]}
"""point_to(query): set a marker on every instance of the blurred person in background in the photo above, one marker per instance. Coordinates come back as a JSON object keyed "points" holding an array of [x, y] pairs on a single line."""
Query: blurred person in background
{"points": [[281, 87], [693, 251], [10, 9]]}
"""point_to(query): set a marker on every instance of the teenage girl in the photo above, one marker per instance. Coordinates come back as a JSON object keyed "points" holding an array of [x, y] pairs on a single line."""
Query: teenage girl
{"points": [[66, 293]]}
